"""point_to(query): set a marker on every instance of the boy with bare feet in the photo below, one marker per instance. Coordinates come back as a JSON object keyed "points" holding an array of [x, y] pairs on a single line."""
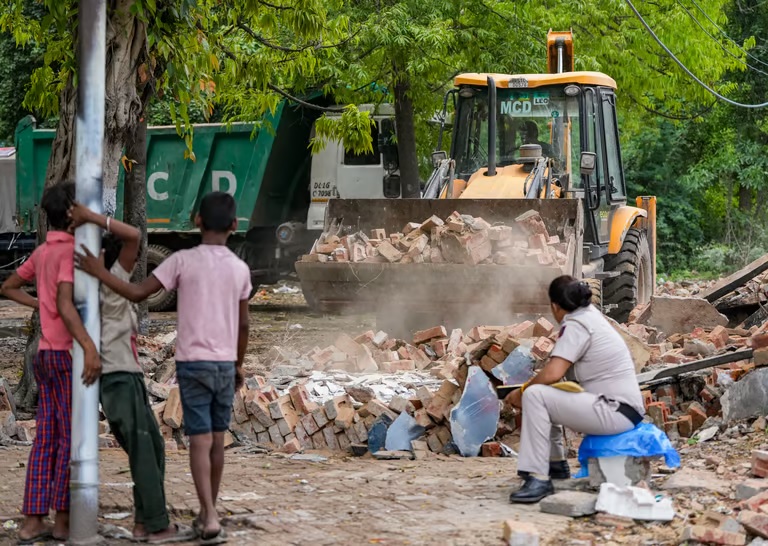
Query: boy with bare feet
{"points": [[213, 287]]}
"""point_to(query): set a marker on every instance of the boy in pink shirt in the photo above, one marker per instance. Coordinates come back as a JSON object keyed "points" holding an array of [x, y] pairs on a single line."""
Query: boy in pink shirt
{"points": [[51, 268], [213, 287]]}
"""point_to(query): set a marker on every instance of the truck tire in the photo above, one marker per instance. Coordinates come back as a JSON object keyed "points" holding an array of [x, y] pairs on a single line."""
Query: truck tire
{"points": [[160, 300], [634, 284]]}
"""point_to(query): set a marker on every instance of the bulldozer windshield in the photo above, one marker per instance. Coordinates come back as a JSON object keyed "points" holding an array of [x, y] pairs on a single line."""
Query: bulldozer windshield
{"points": [[544, 116]]}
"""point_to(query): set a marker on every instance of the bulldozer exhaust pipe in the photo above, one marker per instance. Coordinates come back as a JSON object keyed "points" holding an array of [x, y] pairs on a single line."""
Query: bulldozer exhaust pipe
{"points": [[560, 55], [491, 127]]}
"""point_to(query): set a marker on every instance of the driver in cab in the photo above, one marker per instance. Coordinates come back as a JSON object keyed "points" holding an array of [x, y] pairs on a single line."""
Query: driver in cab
{"points": [[530, 135]]}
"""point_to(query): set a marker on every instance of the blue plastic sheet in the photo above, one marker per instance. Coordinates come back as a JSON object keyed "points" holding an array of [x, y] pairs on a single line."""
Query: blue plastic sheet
{"points": [[517, 368], [475, 418], [402, 432], [645, 440]]}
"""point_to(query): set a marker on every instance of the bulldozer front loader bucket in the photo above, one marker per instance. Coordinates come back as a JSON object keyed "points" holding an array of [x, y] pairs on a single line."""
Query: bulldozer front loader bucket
{"points": [[422, 295]]}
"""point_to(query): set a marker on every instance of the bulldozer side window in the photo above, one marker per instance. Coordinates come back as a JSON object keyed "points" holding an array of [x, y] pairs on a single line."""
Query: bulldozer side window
{"points": [[615, 178], [372, 158]]}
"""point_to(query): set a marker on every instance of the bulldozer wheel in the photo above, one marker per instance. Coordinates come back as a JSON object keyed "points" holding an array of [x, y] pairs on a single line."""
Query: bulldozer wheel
{"points": [[160, 300], [634, 284], [596, 285]]}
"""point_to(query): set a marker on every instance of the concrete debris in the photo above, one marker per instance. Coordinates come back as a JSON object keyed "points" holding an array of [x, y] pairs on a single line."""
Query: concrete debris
{"points": [[676, 315], [520, 533], [634, 502], [687, 479], [459, 239], [747, 397], [573, 504]]}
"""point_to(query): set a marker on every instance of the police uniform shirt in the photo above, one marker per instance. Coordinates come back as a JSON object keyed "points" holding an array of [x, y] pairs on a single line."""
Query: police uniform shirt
{"points": [[602, 363]]}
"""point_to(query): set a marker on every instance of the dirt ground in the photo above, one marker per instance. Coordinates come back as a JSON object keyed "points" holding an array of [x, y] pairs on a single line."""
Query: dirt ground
{"points": [[270, 499]]}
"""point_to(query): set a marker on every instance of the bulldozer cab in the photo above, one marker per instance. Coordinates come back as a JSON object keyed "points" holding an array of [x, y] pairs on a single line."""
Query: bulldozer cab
{"points": [[563, 123]]}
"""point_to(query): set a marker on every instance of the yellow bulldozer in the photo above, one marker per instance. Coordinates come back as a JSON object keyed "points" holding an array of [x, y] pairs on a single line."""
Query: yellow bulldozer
{"points": [[545, 142]]}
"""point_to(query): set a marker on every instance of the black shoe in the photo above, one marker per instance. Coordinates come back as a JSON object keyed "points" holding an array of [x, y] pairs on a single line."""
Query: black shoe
{"points": [[532, 491], [558, 470]]}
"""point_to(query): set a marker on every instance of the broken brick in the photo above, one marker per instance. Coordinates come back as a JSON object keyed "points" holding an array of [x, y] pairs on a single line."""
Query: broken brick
{"points": [[173, 415], [523, 330], [657, 411], [301, 401], [429, 334], [698, 415], [532, 223], [754, 522], [520, 533], [543, 328], [377, 408], [719, 337], [394, 366], [542, 348], [760, 463], [760, 356], [496, 353], [685, 426], [490, 449], [423, 419], [711, 535]]}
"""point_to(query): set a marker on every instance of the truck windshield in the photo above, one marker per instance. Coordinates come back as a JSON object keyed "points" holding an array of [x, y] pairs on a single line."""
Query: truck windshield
{"points": [[543, 116]]}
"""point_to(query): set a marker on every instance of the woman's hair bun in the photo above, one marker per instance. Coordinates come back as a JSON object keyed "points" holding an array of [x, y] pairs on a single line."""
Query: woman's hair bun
{"points": [[569, 293]]}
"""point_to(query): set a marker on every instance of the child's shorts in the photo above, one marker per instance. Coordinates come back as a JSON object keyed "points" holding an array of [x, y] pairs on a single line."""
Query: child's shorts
{"points": [[207, 390]]}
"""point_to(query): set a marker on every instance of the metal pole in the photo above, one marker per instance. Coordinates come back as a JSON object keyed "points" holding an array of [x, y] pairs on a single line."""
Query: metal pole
{"points": [[84, 483]]}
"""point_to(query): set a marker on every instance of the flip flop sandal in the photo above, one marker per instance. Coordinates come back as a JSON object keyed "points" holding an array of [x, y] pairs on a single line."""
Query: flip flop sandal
{"points": [[184, 533], [42, 537], [211, 539]]}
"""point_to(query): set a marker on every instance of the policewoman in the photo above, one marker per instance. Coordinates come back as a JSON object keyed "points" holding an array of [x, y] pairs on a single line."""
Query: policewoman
{"points": [[593, 353]]}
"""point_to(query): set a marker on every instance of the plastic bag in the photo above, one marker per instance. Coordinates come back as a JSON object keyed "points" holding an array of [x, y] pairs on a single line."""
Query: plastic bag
{"points": [[645, 440], [402, 432], [517, 368], [475, 418]]}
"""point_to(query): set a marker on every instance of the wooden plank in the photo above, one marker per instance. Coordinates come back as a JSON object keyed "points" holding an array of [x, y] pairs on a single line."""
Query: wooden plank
{"points": [[731, 283], [758, 318], [711, 362]]}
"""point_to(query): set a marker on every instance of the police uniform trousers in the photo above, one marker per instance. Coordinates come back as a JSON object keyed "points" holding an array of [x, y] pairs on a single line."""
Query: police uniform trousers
{"points": [[546, 410]]}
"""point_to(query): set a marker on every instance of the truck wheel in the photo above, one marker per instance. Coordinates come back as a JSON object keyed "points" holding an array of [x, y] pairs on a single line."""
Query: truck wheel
{"points": [[160, 300], [634, 284], [596, 285]]}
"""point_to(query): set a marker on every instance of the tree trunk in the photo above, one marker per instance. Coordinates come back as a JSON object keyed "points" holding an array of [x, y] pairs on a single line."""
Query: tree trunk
{"points": [[135, 206], [745, 199], [126, 43], [406, 137]]}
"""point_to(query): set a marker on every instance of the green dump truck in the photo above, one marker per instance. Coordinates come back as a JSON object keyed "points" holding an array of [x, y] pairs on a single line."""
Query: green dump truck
{"points": [[280, 187]]}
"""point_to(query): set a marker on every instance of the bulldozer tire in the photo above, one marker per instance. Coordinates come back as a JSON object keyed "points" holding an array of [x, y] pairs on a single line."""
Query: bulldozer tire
{"points": [[161, 300], [634, 284], [596, 285]]}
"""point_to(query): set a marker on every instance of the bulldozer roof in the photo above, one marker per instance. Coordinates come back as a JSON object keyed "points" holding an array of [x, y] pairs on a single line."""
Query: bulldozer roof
{"points": [[536, 80]]}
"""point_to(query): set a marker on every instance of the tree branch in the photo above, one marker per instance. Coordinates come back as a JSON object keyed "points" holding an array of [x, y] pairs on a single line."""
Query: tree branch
{"points": [[305, 104], [316, 45]]}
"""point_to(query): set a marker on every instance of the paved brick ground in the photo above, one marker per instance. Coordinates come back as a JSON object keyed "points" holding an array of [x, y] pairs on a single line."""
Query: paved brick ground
{"points": [[271, 500]]}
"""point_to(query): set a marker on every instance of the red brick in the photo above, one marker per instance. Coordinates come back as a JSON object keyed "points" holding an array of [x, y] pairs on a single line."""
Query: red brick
{"points": [[520, 532], [282, 408], [531, 222], [490, 449], [336, 404], [257, 405], [647, 398], [397, 366], [697, 414], [330, 438], [708, 394], [537, 242], [542, 348], [522, 331], [301, 401], [423, 419], [440, 346], [291, 446], [238, 408], [378, 234], [543, 328], [760, 463], [173, 415], [759, 341], [754, 503], [760, 356], [718, 337], [755, 523], [711, 535], [657, 411], [685, 426], [496, 353], [487, 363], [366, 337]]}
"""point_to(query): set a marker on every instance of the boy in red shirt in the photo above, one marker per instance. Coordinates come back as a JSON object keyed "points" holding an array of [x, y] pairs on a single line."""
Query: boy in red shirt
{"points": [[51, 268]]}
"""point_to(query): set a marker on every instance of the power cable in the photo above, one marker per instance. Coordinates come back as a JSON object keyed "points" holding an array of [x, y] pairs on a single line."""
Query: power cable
{"points": [[685, 68], [695, 3], [728, 51]]}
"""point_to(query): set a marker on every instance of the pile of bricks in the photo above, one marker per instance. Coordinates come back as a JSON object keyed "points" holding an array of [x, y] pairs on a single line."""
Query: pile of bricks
{"points": [[434, 349], [459, 239], [293, 421]]}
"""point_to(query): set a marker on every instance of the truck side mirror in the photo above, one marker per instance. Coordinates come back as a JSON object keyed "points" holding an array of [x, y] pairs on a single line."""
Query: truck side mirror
{"points": [[392, 186], [587, 163], [388, 146], [438, 157]]}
